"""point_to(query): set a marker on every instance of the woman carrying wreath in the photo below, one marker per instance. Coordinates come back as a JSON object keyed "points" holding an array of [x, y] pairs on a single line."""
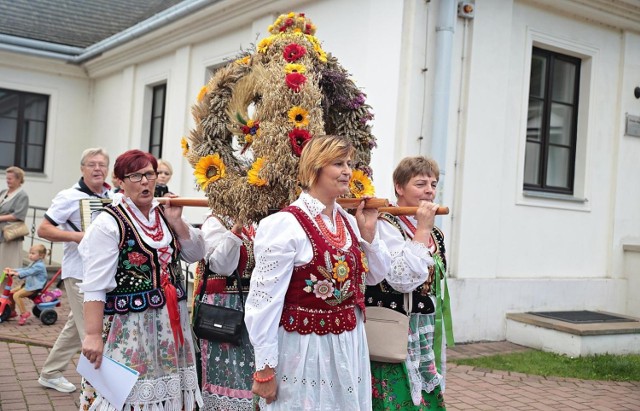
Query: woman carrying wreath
{"points": [[414, 243], [305, 309], [226, 370], [135, 306]]}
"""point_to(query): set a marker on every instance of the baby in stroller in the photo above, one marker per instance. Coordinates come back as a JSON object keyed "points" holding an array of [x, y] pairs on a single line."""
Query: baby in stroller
{"points": [[35, 276]]}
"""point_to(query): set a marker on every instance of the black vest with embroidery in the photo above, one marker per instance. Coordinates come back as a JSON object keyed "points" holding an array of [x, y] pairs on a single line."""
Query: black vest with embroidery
{"points": [[383, 295], [138, 282]]}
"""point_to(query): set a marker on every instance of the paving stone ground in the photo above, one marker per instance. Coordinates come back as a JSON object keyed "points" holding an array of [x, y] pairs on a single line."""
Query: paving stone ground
{"points": [[23, 350]]}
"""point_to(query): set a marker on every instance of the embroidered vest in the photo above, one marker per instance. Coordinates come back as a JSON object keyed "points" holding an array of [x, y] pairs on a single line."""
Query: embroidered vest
{"points": [[217, 284], [383, 295], [138, 282], [323, 293]]}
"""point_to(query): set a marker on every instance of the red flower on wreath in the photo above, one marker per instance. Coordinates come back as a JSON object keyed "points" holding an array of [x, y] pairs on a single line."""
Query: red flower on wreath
{"points": [[298, 138], [136, 258], [293, 52], [295, 81]]}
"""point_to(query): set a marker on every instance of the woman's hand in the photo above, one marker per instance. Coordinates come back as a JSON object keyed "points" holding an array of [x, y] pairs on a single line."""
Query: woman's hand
{"points": [[268, 389], [237, 228], [425, 216], [92, 347], [173, 214], [367, 218]]}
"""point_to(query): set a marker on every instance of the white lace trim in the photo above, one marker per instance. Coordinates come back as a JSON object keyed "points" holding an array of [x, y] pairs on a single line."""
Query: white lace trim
{"points": [[215, 402], [172, 393], [271, 362]]}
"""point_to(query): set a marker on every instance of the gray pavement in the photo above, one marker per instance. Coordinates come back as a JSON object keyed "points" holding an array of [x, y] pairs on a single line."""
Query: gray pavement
{"points": [[23, 350]]}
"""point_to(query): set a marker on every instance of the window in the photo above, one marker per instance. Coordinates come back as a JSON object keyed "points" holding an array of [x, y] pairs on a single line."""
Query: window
{"points": [[157, 120], [550, 152], [23, 129]]}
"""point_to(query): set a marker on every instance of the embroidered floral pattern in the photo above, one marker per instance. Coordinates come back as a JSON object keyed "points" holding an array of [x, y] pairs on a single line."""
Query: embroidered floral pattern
{"points": [[323, 289], [136, 258], [334, 288], [341, 269]]}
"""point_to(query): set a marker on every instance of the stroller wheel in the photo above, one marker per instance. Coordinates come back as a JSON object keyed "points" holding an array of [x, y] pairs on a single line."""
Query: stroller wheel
{"points": [[4, 315], [48, 317], [36, 311]]}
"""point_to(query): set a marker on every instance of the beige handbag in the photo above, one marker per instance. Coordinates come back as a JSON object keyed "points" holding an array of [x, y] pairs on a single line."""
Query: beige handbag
{"points": [[15, 230], [388, 333]]}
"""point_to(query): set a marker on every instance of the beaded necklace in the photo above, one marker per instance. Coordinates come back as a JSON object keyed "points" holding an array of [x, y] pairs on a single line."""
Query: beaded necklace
{"points": [[155, 232], [339, 239], [412, 228]]}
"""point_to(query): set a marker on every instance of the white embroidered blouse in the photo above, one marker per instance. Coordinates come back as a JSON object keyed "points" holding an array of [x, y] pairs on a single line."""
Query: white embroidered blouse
{"points": [[99, 248], [281, 244], [410, 261]]}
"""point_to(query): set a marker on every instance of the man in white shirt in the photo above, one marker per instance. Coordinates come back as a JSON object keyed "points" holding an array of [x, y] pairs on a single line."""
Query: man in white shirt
{"points": [[62, 223]]}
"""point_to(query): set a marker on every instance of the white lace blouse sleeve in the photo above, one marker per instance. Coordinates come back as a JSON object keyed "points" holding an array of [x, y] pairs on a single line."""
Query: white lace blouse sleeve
{"points": [[223, 247], [376, 252], [410, 261], [278, 246], [192, 249], [99, 251]]}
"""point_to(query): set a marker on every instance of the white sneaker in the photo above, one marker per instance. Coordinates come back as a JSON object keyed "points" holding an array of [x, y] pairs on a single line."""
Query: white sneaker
{"points": [[61, 384]]}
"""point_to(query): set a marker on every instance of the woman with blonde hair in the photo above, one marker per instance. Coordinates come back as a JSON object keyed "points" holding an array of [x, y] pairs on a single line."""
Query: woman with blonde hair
{"points": [[14, 204], [305, 309]]}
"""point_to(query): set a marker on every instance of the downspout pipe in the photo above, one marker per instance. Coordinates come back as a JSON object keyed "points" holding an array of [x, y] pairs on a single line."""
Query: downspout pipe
{"points": [[442, 88]]}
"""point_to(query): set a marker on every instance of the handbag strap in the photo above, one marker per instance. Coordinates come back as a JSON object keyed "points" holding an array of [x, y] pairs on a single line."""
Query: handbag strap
{"points": [[203, 286]]}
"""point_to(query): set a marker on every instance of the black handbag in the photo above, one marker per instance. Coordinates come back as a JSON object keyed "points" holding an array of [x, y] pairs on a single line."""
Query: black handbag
{"points": [[217, 323]]}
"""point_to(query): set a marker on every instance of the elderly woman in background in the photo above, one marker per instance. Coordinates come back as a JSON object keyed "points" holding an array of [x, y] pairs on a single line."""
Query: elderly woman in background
{"points": [[413, 242], [14, 204], [226, 373], [305, 310], [134, 293]]}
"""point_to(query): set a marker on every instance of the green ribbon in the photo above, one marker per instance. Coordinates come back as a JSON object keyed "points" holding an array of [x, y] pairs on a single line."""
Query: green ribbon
{"points": [[443, 311]]}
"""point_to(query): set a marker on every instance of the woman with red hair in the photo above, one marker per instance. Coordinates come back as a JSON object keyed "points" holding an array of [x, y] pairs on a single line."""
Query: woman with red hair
{"points": [[133, 293]]}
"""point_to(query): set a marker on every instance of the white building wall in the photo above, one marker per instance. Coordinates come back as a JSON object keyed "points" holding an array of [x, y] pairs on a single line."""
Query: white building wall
{"points": [[507, 252], [517, 253]]}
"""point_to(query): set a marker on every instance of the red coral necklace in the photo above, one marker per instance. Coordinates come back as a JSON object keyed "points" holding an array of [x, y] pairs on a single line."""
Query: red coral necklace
{"points": [[155, 232], [339, 239]]}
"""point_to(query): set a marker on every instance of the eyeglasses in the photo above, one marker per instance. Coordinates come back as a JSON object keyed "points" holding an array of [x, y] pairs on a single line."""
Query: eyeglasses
{"points": [[137, 177], [94, 165]]}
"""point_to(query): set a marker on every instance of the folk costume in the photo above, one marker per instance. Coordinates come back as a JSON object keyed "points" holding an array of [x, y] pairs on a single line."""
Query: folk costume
{"points": [[226, 370], [418, 383], [134, 268], [305, 309]]}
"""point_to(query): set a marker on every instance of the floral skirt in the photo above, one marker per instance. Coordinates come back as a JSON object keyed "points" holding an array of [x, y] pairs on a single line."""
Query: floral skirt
{"points": [[144, 341], [390, 384], [226, 369]]}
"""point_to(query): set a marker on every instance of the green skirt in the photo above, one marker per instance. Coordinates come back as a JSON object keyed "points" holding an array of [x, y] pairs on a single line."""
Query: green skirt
{"points": [[390, 386]]}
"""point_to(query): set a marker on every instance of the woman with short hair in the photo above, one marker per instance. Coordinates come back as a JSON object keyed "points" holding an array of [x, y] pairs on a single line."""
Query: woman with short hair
{"points": [[14, 205]]}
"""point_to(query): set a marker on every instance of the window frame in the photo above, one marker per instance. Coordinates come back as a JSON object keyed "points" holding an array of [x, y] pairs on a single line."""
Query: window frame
{"points": [[552, 57], [21, 150], [152, 117]]}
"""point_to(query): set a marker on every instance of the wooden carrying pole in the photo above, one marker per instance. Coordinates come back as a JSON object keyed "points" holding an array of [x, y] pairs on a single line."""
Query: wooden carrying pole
{"points": [[380, 203]]}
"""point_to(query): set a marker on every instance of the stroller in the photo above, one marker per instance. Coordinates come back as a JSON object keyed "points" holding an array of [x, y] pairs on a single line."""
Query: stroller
{"points": [[44, 301]]}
